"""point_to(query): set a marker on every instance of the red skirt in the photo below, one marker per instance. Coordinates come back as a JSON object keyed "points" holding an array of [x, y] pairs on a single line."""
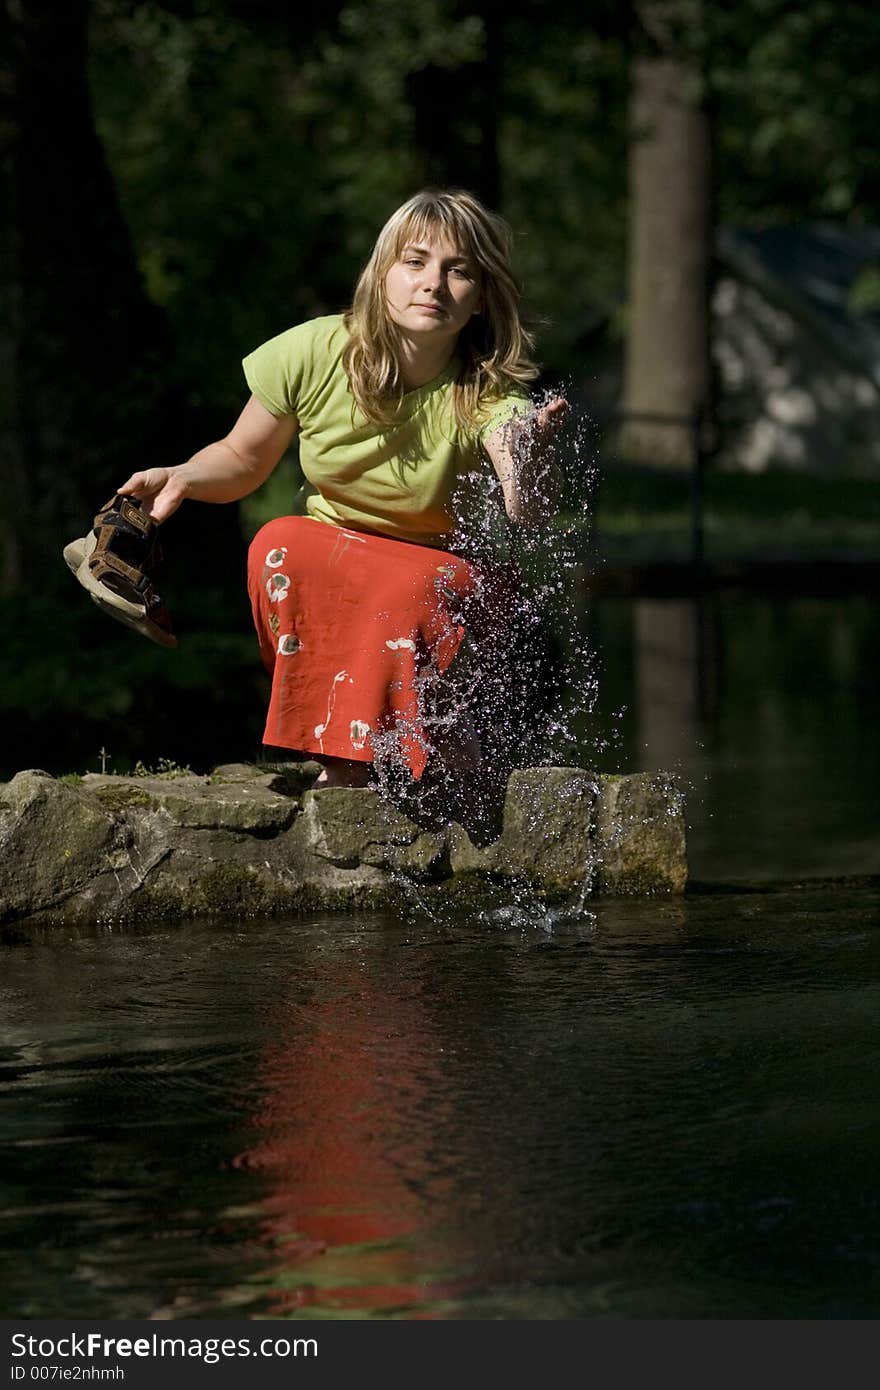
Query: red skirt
{"points": [[352, 626]]}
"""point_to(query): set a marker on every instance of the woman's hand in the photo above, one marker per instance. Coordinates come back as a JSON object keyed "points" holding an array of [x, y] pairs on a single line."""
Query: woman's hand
{"points": [[161, 487], [529, 481], [542, 423]]}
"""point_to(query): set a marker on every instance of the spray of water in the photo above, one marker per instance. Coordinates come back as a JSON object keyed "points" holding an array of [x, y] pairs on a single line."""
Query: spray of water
{"points": [[524, 685]]}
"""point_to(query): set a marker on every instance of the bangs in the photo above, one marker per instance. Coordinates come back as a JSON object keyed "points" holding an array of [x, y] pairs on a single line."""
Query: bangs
{"points": [[438, 218]]}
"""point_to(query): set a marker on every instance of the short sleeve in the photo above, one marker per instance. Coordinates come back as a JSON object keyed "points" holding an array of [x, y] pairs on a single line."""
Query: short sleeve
{"points": [[501, 412], [276, 371]]}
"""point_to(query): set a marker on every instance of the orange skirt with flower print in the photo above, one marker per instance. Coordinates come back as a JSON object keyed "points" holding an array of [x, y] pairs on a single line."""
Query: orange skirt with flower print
{"points": [[350, 626]]}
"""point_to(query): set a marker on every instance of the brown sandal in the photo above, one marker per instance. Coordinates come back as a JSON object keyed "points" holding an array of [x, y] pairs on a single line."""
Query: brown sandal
{"points": [[115, 563]]}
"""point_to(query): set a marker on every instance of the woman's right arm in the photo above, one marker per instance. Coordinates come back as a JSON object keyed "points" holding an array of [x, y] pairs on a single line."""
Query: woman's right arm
{"points": [[224, 471]]}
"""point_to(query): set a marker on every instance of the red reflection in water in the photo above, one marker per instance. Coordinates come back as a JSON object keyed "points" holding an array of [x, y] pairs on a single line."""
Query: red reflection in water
{"points": [[350, 1113]]}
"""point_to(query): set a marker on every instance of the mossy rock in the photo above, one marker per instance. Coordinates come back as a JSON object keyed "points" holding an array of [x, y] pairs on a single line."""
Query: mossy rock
{"points": [[231, 888], [145, 849], [350, 826], [289, 779], [56, 840], [123, 797], [641, 839]]}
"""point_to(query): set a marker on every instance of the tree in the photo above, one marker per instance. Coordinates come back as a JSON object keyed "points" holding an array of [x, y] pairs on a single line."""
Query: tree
{"points": [[667, 368], [84, 350], [796, 89]]}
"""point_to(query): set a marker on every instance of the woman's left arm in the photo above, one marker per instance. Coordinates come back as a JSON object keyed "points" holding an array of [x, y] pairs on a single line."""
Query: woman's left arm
{"points": [[517, 450]]}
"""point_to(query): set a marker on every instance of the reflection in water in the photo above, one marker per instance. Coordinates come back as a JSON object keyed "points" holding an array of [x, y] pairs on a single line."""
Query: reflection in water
{"points": [[770, 712], [349, 1189], [663, 1115], [668, 675]]}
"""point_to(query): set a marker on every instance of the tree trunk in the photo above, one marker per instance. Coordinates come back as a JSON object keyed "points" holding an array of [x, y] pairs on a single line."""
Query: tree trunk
{"points": [[92, 392], [667, 365]]}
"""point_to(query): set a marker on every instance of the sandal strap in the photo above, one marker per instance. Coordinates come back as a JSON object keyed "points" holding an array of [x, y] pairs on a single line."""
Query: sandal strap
{"points": [[123, 517], [103, 560], [141, 584], [127, 510]]}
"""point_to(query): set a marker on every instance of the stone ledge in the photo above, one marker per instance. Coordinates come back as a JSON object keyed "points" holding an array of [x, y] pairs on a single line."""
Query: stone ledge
{"points": [[247, 841]]}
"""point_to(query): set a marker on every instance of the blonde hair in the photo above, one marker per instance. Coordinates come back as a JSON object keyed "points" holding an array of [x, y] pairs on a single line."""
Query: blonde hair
{"points": [[493, 348]]}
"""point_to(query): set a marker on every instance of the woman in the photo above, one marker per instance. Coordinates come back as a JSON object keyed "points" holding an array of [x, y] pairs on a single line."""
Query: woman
{"points": [[358, 601]]}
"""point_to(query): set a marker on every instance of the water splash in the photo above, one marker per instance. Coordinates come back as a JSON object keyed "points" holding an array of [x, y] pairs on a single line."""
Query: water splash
{"points": [[550, 687], [537, 917], [523, 687], [515, 907]]}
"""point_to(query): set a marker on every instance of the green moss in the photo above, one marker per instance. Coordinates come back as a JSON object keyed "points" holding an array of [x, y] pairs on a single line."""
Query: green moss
{"points": [[71, 779], [471, 889], [229, 887], [154, 904], [122, 798]]}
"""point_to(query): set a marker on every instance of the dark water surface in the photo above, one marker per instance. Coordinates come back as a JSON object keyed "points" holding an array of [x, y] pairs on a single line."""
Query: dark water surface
{"points": [[653, 1109], [769, 711], [665, 1109]]}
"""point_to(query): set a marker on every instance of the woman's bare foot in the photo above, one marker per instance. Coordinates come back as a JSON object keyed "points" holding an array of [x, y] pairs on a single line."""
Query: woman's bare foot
{"points": [[342, 772]]}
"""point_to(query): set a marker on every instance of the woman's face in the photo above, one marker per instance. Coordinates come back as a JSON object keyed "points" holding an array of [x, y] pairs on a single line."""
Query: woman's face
{"points": [[432, 289]]}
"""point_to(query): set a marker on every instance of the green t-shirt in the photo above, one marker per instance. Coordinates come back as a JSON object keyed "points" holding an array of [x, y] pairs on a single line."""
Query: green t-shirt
{"points": [[398, 482]]}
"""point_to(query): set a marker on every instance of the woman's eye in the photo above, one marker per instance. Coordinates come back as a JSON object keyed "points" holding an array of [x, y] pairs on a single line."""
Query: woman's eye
{"points": [[413, 262]]}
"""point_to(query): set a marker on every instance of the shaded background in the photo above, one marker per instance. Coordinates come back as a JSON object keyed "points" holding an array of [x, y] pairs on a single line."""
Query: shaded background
{"points": [[692, 189], [661, 1109]]}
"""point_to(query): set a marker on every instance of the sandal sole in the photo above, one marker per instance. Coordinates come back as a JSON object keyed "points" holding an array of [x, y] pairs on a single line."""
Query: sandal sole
{"points": [[76, 557], [85, 547], [143, 625]]}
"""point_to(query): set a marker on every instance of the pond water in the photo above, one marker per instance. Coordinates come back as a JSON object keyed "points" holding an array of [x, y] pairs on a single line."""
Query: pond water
{"points": [[655, 1109], [669, 1111], [769, 710]]}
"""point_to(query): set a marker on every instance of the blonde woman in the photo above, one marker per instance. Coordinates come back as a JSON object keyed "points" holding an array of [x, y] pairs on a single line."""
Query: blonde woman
{"points": [[359, 599]]}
